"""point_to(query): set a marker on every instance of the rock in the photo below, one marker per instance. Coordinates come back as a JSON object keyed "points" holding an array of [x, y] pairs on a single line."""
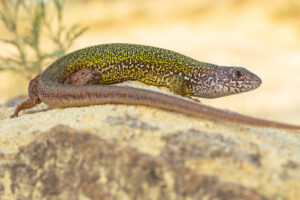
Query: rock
{"points": [[136, 152], [65, 164]]}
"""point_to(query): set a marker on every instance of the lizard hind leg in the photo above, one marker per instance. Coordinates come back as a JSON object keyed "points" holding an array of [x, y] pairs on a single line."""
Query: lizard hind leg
{"points": [[33, 97], [83, 77]]}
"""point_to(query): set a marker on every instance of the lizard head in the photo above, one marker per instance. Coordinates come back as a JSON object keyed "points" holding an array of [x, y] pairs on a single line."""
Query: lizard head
{"points": [[224, 81]]}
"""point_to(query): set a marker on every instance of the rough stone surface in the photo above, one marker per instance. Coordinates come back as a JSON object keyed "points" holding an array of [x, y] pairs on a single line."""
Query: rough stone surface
{"points": [[135, 152], [65, 164]]}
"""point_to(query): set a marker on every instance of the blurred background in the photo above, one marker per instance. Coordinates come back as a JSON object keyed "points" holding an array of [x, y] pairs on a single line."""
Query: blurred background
{"points": [[260, 35]]}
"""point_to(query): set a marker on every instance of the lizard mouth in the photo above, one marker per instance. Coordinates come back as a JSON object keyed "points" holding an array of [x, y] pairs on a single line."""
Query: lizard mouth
{"points": [[253, 81], [256, 81], [254, 77]]}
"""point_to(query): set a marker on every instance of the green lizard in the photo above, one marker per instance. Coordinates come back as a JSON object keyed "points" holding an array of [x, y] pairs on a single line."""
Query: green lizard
{"points": [[74, 79]]}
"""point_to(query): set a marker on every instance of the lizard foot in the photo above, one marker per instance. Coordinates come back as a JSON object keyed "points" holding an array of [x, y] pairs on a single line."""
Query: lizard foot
{"points": [[196, 99], [29, 103], [33, 97]]}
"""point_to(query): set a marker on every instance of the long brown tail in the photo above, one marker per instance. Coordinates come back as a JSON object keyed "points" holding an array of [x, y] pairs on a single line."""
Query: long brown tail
{"points": [[60, 95]]}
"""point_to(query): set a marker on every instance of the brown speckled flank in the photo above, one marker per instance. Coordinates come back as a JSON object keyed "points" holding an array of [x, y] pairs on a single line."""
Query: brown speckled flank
{"points": [[111, 63]]}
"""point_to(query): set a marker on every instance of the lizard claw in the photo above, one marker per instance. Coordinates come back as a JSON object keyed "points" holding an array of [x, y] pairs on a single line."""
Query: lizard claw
{"points": [[196, 99]]}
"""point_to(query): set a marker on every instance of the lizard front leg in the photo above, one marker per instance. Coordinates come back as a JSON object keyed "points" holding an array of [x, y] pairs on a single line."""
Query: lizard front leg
{"points": [[179, 86]]}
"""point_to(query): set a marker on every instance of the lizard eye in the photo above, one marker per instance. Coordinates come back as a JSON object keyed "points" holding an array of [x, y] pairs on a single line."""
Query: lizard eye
{"points": [[237, 74]]}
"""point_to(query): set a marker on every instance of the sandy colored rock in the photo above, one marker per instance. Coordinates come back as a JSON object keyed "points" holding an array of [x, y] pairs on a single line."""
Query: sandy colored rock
{"points": [[65, 164], [136, 152]]}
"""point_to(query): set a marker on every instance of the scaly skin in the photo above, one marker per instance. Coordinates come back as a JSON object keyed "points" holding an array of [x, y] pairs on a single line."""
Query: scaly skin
{"points": [[160, 67], [74, 81]]}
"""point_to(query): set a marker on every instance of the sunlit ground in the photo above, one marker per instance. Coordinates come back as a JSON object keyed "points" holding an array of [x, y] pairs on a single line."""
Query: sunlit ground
{"points": [[262, 36]]}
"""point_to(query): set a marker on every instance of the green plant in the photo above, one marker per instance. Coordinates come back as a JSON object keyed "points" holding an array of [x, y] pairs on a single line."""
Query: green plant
{"points": [[31, 24]]}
